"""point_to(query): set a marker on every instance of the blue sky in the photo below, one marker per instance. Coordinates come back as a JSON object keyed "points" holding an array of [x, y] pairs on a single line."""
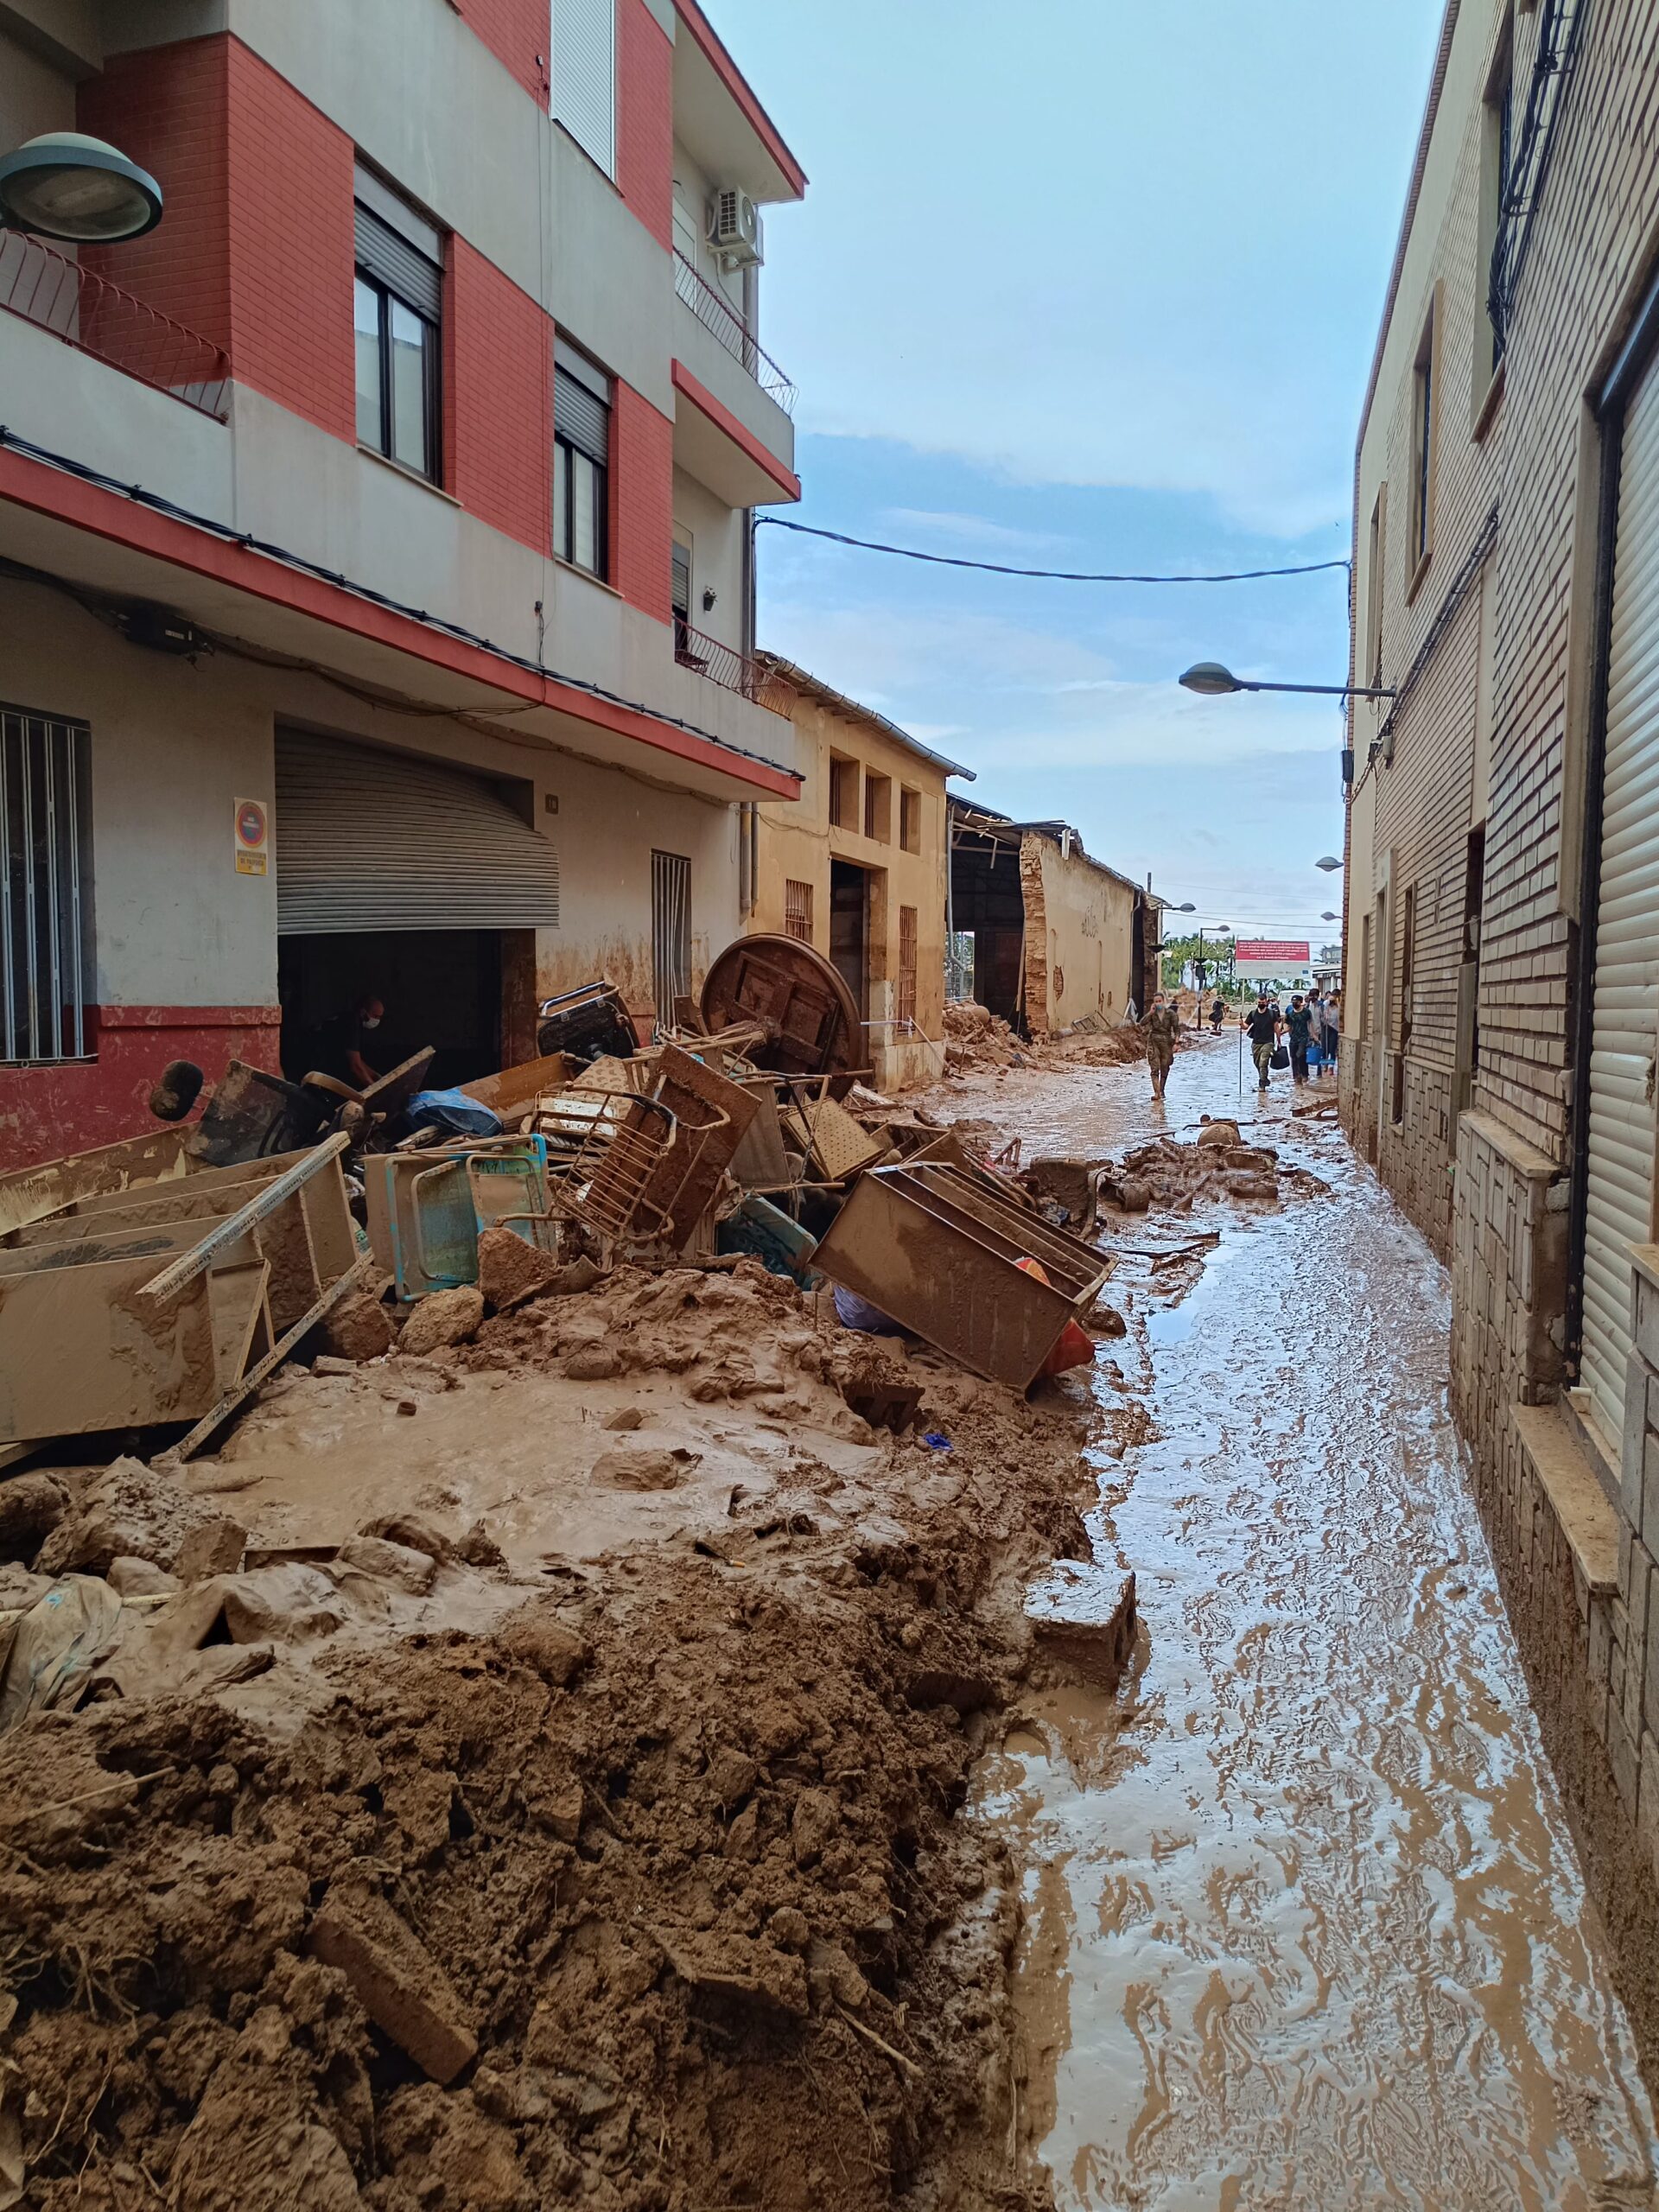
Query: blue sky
{"points": [[1090, 285]]}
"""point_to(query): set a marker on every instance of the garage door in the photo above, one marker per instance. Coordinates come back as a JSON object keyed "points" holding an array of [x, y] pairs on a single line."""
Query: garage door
{"points": [[1626, 1012], [375, 840]]}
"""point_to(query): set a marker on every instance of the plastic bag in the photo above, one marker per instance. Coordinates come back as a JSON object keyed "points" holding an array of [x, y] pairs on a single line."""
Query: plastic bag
{"points": [[453, 1111]]}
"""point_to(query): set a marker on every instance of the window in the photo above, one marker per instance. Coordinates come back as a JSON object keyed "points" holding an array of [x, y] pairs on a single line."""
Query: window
{"points": [[1496, 154], [878, 808], [584, 76], [843, 792], [904, 1006], [44, 887], [1425, 398], [910, 820], [581, 460], [670, 931], [679, 598], [1378, 554], [398, 312], [797, 910]]}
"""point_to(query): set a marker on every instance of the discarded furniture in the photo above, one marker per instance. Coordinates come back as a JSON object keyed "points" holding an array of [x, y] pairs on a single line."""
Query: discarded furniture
{"points": [[167, 1302], [586, 1023], [606, 1149], [938, 1248], [711, 1118], [810, 1017], [426, 1209], [515, 1090], [31, 1193]]}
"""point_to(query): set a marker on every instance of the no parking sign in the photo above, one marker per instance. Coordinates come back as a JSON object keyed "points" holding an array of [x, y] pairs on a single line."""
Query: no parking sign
{"points": [[252, 836]]}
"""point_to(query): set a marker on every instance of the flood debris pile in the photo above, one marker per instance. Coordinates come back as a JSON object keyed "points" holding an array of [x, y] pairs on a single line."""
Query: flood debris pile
{"points": [[1172, 1177], [648, 1894], [978, 1042]]}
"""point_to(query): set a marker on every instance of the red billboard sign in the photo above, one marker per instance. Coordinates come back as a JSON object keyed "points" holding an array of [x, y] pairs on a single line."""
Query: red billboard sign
{"points": [[1274, 952]]}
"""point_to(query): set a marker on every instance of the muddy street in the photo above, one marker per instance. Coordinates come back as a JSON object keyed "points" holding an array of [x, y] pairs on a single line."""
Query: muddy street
{"points": [[1303, 1923]]}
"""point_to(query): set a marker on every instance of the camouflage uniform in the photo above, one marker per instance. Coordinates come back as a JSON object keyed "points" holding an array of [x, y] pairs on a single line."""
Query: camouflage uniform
{"points": [[1163, 1027]]}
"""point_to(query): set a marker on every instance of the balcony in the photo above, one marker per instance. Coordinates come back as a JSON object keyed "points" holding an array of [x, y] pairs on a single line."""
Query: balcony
{"points": [[716, 314], [97, 317], [731, 670]]}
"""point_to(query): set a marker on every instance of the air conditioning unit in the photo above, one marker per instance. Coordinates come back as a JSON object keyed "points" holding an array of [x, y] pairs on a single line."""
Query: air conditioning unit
{"points": [[735, 228]]}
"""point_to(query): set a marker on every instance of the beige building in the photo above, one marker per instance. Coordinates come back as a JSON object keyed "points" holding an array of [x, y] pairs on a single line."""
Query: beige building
{"points": [[1056, 934], [1501, 935], [856, 867]]}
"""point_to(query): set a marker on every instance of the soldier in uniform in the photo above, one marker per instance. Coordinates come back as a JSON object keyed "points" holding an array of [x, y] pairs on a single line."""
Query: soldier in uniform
{"points": [[1163, 1027]]}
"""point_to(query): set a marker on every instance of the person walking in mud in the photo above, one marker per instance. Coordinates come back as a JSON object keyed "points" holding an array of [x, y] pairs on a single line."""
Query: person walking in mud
{"points": [[1163, 1027], [1218, 1015], [1261, 1026], [1299, 1032]]}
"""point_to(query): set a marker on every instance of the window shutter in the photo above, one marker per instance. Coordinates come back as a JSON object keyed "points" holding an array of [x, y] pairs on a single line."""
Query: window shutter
{"points": [[581, 418], [395, 264], [680, 587], [584, 76]]}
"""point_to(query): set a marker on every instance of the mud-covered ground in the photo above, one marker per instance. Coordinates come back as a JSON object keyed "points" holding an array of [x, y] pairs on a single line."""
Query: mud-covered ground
{"points": [[1303, 1923], [601, 1842]]}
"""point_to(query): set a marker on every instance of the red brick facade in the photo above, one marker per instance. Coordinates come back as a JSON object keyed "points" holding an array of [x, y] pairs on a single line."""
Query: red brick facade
{"points": [[645, 118], [255, 252], [642, 503], [168, 109], [498, 426], [291, 250], [517, 34]]}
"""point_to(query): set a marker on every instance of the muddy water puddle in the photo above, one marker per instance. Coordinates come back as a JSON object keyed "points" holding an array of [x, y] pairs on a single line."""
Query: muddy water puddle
{"points": [[1304, 1927]]}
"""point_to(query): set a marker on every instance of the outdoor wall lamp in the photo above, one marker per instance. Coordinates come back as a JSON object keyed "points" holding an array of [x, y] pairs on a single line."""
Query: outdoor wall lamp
{"points": [[1329, 863], [1211, 680], [68, 186], [1330, 918]]}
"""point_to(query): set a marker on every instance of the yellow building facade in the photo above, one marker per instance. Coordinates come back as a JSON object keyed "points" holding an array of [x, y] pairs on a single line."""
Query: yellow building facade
{"points": [[856, 868]]}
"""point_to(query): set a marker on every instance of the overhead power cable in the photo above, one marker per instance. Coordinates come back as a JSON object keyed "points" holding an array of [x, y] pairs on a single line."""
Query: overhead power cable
{"points": [[1048, 575]]}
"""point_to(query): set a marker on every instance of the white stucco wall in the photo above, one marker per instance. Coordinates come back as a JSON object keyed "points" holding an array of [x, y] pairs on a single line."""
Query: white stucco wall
{"points": [[174, 746]]}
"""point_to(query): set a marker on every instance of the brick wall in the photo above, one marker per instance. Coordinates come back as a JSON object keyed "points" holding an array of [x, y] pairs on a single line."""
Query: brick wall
{"points": [[256, 251], [642, 503], [497, 390], [645, 118], [291, 247], [168, 109], [1591, 1656], [516, 32]]}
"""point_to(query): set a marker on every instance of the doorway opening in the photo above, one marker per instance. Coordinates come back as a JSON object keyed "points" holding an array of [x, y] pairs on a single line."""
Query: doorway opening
{"points": [[849, 931], [443, 987]]}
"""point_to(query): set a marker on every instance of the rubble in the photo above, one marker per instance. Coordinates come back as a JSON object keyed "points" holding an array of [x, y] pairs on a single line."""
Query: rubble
{"points": [[443, 1319], [130, 1512]]}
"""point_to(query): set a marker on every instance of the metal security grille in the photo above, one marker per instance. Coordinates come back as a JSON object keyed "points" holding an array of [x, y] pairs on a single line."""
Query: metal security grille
{"points": [[44, 887], [1626, 1006], [797, 910], [670, 931], [904, 1004]]}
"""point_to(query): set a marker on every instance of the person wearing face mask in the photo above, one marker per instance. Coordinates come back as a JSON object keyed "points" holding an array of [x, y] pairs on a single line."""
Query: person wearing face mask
{"points": [[347, 1043]]}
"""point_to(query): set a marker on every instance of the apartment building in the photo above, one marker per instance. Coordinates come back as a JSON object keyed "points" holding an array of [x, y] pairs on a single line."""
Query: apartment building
{"points": [[857, 868], [375, 586], [1502, 933]]}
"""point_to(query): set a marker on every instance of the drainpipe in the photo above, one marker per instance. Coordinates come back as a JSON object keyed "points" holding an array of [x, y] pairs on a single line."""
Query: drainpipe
{"points": [[745, 863]]}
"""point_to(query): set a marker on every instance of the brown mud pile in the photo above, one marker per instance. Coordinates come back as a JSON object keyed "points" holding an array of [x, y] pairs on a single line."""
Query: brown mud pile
{"points": [[1170, 1176], [651, 1896], [977, 1041]]}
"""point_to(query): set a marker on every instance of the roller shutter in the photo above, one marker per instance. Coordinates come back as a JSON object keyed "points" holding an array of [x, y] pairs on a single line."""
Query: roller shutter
{"points": [[1626, 1013], [584, 76], [375, 840]]}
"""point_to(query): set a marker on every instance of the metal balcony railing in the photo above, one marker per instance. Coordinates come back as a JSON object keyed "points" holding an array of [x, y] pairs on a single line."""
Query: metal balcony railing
{"points": [[731, 670], [97, 317], [715, 312]]}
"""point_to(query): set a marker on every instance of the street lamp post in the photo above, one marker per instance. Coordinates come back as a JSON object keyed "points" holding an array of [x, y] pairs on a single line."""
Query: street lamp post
{"points": [[1211, 680]]}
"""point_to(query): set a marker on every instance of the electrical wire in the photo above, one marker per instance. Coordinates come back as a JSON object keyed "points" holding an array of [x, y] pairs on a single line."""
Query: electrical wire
{"points": [[230, 536], [1049, 576]]}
